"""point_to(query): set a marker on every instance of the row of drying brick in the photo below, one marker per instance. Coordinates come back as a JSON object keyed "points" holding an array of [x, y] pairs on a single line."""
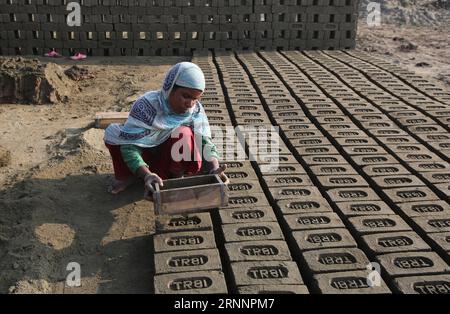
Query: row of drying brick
{"points": [[363, 225], [307, 230], [419, 105], [429, 125], [413, 79], [415, 201], [414, 153]]}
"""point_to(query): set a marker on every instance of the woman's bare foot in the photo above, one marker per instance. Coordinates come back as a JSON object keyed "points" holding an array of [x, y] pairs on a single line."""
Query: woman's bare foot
{"points": [[119, 186]]}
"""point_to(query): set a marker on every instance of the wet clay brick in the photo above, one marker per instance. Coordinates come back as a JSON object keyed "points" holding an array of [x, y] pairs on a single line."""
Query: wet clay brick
{"points": [[388, 140], [364, 150], [266, 273], [347, 133], [376, 159], [258, 251], [311, 205], [433, 224], [436, 284], [411, 194], [336, 181], [444, 188], [273, 289], [441, 240], [252, 232], [437, 177], [303, 134], [312, 141], [316, 150], [199, 221], [378, 223], [313, 221], [412, 263], [248, 201], [384, 170], [280, 159], [181, 241], [201, 282], [239, 176], [430, 166], [244, 188], [275, 181], [397, 181], [402, 148], [298, 193], [418, 156], [322, 239], [335, 260], [324, 160], [242, 215], [286, 169], [324, 170], [184, 261], [381, 243], [355, 141], [352, 194], [363, 208], [348, 283], [426, 208]]}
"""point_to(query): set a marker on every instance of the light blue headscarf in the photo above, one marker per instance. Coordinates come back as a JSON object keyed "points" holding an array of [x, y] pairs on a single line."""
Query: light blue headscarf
{"points": [[151, 120]]}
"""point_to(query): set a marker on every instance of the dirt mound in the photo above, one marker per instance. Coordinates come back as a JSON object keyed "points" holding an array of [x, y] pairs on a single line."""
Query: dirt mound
{"points": [[29, 81], [413, 12], [77, 73]]}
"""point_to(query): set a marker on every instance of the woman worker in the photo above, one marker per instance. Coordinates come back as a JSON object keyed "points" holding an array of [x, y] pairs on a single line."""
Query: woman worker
{"points": [[162, 126]]}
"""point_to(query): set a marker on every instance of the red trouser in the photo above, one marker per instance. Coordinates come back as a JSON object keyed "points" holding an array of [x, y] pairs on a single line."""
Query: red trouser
{"points": [[159, 158]]}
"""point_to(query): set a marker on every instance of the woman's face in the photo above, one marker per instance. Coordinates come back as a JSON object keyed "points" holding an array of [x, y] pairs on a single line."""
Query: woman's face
{"points": [[183, 99]]}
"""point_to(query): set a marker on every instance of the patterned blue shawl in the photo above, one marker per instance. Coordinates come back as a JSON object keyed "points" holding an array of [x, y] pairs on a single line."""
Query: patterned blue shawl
{"points": [[151, 120]]}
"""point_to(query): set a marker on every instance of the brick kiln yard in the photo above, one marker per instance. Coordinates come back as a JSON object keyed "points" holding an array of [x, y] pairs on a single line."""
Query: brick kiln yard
{"points": [[365, 143]]}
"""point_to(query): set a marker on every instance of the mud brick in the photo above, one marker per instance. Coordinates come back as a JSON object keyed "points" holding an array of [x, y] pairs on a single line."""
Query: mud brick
{"points": [[247, 201], [335, 260], [388, 140], [348, 283], [280, 159], [373, 125], [181, 241], [253, 251], [412, 263], [383, 170], [353, 194], [316, 150], [426, 208], [322, 239], [273, 289], [404, 112], [266, 273], [333, 120], [239, 176], [356, 141], [402, 148], [430, 166], [204, 282], [397, 181], [261, 231], [286, 169], [326, 170], [312, 205], [388, 132], [274, 181], [432, 224], [435, 284], [376, 159], [364, 150], [364, 208], [381, 243], [426, 129], [244, 188], [441, 137], [411, 194], [441, 241], [312, 221], [195, 222], [303, 134], [419, 156], [347, 134], [312, 141], [185, 261], [336, 181], [301, 193], [444, 188], [326, 112], [378, 223], [339, 126], [296, 124], [242, 215], [324, 159]]}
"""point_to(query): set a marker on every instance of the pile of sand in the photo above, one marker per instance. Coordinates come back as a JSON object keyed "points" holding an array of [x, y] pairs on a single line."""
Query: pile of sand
{"points": [[29, 81]]}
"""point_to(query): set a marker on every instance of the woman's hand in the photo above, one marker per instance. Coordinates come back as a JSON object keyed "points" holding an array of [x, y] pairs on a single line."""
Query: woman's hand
{"points": [[149, 180], [221, 172]]}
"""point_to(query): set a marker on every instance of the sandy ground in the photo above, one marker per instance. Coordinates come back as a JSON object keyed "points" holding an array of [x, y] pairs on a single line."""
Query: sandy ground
{"points": [[54, 208]]}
